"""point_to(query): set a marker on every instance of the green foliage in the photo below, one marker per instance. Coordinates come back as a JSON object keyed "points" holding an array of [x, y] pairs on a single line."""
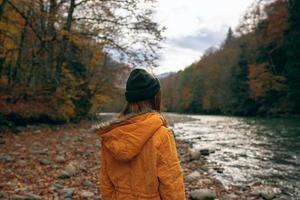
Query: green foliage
{"points": [[292, 42]]}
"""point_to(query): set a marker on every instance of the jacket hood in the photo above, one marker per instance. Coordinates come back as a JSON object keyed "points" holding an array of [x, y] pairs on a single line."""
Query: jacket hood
{"points": [[125, 136]]}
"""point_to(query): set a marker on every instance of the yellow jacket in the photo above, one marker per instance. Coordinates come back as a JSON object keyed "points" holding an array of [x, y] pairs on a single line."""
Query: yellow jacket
{"points": [[139, 160]]}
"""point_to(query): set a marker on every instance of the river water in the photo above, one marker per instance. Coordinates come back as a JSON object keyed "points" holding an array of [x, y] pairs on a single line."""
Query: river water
{"points": [[249, 149]]}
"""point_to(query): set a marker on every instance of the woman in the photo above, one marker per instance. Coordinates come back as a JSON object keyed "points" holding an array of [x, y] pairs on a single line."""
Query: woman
{"points": [[138, 151]]}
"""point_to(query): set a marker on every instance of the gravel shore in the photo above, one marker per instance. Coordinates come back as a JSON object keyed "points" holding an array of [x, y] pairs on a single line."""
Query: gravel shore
{"points": [[62, 162]]}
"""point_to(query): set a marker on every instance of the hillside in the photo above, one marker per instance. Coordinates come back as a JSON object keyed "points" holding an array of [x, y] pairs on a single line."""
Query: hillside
{"points": [[254, 72]]}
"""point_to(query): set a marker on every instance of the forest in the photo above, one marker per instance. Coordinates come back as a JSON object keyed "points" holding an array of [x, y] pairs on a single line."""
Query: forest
{"points": [[256, 70], [56, 62]]}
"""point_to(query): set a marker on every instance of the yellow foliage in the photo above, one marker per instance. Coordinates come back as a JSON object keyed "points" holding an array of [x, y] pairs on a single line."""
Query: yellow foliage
{"points": [[262, 81], [98, 101], [8, 27]]}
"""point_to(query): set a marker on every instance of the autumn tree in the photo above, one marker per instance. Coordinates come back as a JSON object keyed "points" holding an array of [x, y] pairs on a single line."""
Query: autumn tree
{"points": [[57, 55]]}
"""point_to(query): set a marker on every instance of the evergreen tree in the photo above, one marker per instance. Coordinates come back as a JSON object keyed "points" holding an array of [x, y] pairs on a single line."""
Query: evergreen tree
{"points": [[241, 102], [293, 55], [229, 36]]}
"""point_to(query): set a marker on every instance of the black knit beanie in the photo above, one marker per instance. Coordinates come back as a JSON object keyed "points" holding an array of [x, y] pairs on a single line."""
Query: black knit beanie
{"points": [[141, 85]]}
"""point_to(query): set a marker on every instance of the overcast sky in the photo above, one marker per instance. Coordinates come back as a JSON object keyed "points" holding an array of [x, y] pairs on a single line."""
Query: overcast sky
{"points": [[193, 26]]}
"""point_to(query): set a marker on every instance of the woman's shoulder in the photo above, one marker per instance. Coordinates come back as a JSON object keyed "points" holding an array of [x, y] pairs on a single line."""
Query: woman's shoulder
{"points": [[162, 135]]}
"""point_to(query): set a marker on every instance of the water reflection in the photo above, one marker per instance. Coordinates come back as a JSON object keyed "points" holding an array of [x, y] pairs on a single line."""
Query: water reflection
{"points": [[250, 149]]}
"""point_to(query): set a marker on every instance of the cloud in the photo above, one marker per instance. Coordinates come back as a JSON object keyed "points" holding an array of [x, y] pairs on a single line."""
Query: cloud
{"points": [[193, 26], [176, 58], [200, 41]]}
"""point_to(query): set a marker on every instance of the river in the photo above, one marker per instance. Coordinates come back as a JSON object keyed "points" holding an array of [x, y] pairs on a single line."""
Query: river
{"points": [[249, 149]]}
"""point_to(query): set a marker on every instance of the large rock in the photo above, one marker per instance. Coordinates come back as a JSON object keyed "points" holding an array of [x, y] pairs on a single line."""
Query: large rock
{"points": [[194, 154], [203, 194], [192, 176]]}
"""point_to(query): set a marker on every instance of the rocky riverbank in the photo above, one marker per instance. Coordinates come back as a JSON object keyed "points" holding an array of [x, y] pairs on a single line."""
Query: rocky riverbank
{"points": [[62, 162], [201, 185]]}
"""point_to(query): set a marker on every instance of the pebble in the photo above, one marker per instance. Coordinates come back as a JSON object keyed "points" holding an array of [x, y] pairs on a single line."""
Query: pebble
{"points": [[56, 198], [31, 196], [79, 139], [192, 176], [6, 158], [21, 189], [3, 195], [87, 183], [2, 141], [60, 159], [68, 172], [83, 167], [45, 161], [23, 162], [56, 186], [64, 175], [230, 197], [203, 194], [204, 168], [86, 194], [266, 192], [205, 152], [38, 151], [205, 182], [18, 145], [18, 197], [67, 192], [70, 169], [219, 169]]}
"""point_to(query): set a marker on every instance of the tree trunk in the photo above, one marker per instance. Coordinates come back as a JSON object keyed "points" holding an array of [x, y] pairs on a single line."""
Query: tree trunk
{"points": [[2, 7], [18, 68], [51, 34], [63, 49]]}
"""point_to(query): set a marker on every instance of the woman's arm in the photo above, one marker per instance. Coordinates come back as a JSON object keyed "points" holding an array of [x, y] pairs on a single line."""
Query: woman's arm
{"points": [[171, 186], [106, 186]]}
